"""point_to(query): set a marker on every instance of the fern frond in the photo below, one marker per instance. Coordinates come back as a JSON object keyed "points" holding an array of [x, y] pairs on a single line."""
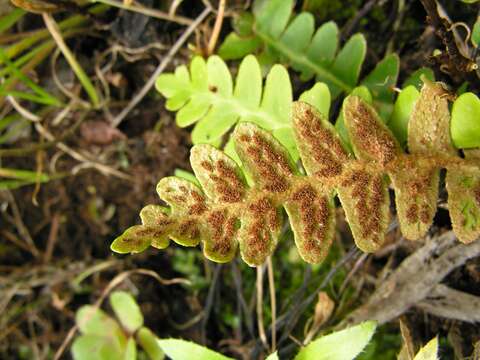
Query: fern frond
{"points": [[206, 96], [280, 37], [226, 212]]}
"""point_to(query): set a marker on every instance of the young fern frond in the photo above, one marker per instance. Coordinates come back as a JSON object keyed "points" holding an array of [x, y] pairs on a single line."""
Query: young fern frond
{"points": [[278, 36], [227, 212], [207, 97]]}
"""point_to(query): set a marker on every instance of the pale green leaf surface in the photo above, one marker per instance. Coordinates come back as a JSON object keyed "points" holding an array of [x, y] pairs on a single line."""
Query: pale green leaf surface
{"points": [[401, 113], [277, 96], [127, 310], [219, 78], [178, 349], [324, 44], [130, 350], [272, 16], [94, 347], [273, 356], [149, 343], [465, 123], [476, 33], [319, 97], [236, 47], [348, 63], [341, 345], [429, 351], [298, 34], [248, 88]]}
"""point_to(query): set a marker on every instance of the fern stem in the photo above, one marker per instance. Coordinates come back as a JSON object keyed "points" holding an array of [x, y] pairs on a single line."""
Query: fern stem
{"points": [[273, 302], [261, 328]]}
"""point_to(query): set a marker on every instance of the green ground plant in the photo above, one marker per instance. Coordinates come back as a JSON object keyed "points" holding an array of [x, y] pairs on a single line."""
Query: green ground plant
{"points": [[227, 212], [118, 338]]}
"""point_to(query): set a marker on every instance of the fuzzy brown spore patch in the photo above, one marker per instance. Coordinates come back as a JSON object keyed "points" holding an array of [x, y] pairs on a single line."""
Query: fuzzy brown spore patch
{"points": [[320, 144], [370, 138], [199, 205], [189, 229], [476, 193], [429, 125], [222, 229], [368, 195], [263, 222], [314, 214], [271, 167]]}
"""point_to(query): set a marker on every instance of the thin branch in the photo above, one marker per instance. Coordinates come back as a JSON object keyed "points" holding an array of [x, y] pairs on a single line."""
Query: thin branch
{"points": [[261, 327], [273, 302], [216, 27]]}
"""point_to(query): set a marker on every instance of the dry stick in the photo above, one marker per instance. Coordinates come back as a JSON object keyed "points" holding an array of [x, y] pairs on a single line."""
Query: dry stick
{"points": [[163, 64], [148, 12], [52, 237], [261, 328], [216, 27], [273, 302]]}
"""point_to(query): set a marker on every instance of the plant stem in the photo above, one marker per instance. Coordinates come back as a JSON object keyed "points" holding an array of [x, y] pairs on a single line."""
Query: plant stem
{"points": [[77, 69]]}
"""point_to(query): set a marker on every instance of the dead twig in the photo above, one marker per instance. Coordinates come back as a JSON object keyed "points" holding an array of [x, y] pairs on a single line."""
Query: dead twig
{"points": [[445, 302], [273, 303], [216, 27], [415, 278]]}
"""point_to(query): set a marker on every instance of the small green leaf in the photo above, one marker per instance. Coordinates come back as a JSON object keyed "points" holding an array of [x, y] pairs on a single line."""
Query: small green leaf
{"points": [[95, 347], [149, 342], [476, 33], [130, 350], [277, 96], [272, 15], [127, 310], [348, 63], [298, 34], [187, 175], [94, 321], [415, 79], [236, 47], [465, 126], [273, 356], [248, 88], [177, 349], [135, 239], [402, 111], [383, 78], [319, 97], [324, 44], [341, 345], [429, 351]]}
